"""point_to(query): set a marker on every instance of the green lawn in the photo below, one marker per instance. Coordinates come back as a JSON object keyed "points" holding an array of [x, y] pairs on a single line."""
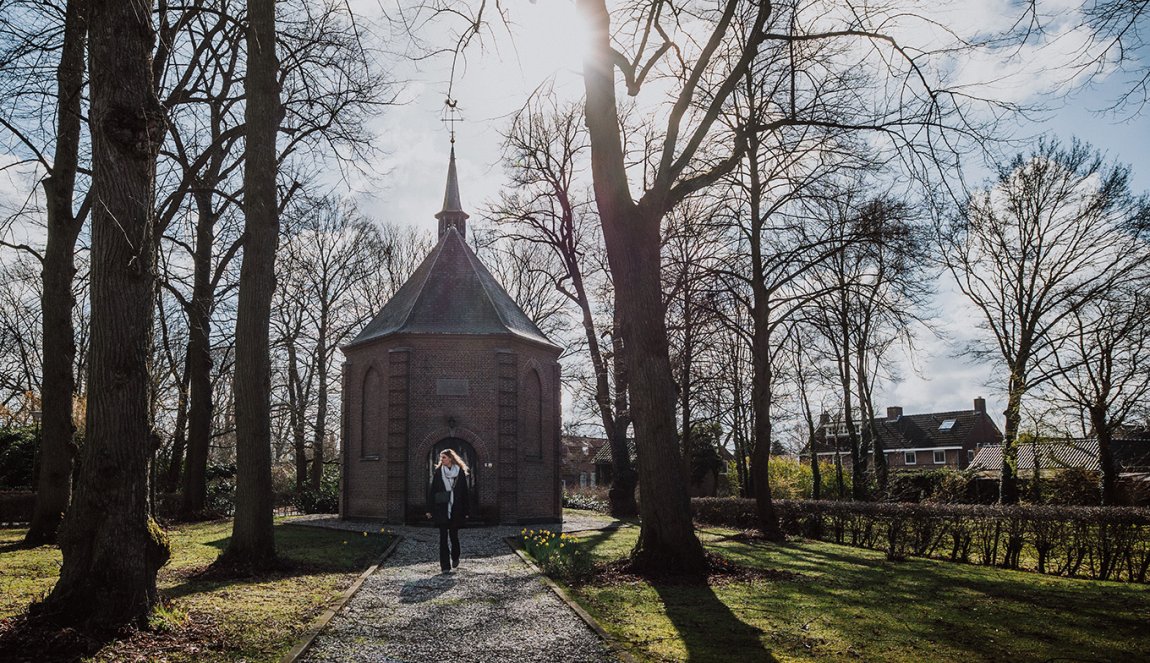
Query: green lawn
{"points": [[852, 604], [215, 620]]}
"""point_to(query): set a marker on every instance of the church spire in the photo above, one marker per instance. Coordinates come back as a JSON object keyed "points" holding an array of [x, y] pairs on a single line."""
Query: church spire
{"points": [[452, 214]]}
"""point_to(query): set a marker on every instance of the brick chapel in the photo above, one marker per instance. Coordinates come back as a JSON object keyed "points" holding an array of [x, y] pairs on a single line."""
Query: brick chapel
{"points": [[451, 361]]}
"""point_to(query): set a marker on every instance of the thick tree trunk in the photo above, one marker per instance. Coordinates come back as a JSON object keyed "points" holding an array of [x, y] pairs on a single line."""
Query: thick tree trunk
{"points": [[58, 384], [252, 544], [111, 548], [195, 485], [667, 541]]}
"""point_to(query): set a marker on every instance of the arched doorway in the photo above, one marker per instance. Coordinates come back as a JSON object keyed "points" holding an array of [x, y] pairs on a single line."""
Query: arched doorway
{"points": [[467, 453]]}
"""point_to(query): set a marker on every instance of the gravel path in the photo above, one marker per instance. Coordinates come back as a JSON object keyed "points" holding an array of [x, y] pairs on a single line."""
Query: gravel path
{"points": [[493, 608]]}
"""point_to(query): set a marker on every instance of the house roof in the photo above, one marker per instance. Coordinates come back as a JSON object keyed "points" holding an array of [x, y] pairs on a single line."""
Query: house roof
{"points": [[917, 431], [1129, 455], [604, 455], [1052, 455], [451, 292]]}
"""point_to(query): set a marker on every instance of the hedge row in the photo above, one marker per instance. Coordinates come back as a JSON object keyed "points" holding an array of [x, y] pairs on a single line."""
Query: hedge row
{"points": [[1103, 543]]}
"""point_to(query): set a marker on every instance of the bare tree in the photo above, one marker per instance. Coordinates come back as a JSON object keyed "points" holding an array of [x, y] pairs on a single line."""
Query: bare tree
{"points": [[252, 543], [1050, 237], [548, 144], [33, 35], [329, 255], [111, 549], [873, 284], [1102, 367]]}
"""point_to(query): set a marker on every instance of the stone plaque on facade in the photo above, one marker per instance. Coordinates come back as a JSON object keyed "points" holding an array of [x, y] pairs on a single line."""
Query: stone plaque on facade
{"points": [[451, 387]]}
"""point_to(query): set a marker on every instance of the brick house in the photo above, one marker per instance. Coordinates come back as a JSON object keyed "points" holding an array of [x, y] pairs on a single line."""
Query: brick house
{"points": [[451, 362], [578, 463], [915, 441], [707, 487]]}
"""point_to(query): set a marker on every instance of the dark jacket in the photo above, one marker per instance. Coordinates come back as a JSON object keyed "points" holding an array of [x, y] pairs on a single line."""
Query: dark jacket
{"points": [[458, 508]]}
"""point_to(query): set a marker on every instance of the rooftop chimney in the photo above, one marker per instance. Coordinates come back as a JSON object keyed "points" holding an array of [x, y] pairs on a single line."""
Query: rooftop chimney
{"points": [[980, 405], [893, 413], [824, 419]]}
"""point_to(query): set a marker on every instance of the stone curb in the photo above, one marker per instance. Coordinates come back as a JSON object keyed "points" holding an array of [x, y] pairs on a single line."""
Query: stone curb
{"points": [[612, 643], [318, 625]]}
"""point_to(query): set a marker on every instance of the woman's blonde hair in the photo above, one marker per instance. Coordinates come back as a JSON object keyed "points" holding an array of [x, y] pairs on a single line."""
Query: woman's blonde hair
{"points": [[455, 459]]}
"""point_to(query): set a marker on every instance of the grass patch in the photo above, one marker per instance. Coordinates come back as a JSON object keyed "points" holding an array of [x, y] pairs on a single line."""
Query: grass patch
{"points": [[254, 619], [844, 603]]}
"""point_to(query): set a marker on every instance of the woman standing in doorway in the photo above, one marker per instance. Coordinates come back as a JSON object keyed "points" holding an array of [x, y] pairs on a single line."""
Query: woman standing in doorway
{"points": [[447, 502]]}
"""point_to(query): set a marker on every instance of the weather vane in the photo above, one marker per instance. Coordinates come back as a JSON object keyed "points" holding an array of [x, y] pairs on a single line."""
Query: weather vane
{"points": [[451, 115]]}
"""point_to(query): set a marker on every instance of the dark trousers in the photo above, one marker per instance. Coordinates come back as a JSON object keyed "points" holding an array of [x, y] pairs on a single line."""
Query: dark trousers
{"points": [[448, 558]]}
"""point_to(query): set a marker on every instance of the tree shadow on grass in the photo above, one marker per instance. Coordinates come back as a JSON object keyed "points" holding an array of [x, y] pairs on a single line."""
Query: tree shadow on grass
{"points": [[710, 631], [302, 551]]}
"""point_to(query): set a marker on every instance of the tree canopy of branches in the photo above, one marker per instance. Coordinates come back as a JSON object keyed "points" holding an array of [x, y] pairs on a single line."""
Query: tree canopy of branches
{"points": [[1050, 238]]}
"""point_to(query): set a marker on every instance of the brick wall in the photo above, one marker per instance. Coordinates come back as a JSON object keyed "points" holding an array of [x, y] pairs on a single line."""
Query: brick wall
{"points": [[448, 386]]}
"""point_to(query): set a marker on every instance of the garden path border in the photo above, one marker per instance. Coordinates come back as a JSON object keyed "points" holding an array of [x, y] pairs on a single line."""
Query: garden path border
{"points": [[613, 644], [335, 606]]}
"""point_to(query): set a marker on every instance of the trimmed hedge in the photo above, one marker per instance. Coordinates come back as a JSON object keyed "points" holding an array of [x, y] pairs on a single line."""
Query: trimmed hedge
{"points": [[1103, 543]]}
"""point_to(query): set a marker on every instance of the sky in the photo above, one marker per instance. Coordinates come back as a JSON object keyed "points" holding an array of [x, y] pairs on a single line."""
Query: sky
{"points": [[545, 48]]}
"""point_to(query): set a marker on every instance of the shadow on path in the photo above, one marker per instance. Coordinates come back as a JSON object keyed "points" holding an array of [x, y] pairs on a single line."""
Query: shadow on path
{"points": [[425, 589]]}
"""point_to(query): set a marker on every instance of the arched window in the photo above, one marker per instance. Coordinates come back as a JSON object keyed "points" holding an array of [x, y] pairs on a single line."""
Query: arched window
{"points": [[371, 430], [533, 414]]}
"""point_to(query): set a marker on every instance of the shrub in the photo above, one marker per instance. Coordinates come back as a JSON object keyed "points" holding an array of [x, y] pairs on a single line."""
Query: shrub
{"points": [[1105, 543], [221, 489], [1073, 486], [943, 485], [591, 499], [557, 555], [793, 479], [324, 500], [17, 456]]}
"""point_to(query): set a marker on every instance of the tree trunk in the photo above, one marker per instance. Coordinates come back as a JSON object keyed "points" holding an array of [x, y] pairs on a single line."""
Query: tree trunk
{"points": [[111, 548], [761, 402], [1103, 433], [667, 542], [58, 385], [252, 544], [321, 405], [615, 416], [295, 417], [174, 471], [195, 485], [1008, 486]]}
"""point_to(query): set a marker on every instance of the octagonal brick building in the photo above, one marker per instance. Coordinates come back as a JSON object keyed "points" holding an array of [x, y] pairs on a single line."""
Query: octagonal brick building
{"points": [[451, 362]]}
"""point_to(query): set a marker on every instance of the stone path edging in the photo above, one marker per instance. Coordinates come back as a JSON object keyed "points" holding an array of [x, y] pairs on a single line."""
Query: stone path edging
{"points": [[319, 624], [613, 644]]}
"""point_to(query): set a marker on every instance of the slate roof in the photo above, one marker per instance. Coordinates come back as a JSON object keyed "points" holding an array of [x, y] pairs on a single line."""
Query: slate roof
{"points": [[451, 292], [923, 431]]}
